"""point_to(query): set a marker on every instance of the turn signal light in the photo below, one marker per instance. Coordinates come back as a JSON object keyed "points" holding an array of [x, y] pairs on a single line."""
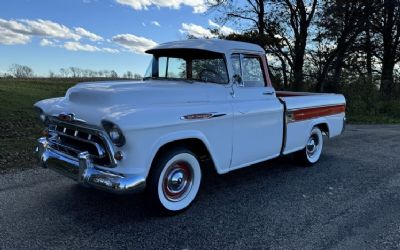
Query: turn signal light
{"points": [[118, 156], [45, 132]]}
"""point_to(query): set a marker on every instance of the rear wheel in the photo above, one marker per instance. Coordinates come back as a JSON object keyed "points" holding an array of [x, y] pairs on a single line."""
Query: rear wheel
{"points": [[313, 149], [174, 180]]}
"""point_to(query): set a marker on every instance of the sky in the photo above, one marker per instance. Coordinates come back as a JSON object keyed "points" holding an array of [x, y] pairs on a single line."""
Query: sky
{"points": [[47, 35]]}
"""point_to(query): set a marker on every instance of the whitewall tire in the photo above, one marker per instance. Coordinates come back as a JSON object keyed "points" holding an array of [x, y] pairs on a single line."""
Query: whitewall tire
{"points": [[313, 148], [174, 180]]}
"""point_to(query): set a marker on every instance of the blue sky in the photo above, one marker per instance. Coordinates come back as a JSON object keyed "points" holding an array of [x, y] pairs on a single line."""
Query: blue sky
{"points": [[95, 34]]}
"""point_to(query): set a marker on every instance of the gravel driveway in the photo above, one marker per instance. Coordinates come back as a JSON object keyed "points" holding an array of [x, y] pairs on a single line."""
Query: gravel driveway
{"points": [[349, 200]]}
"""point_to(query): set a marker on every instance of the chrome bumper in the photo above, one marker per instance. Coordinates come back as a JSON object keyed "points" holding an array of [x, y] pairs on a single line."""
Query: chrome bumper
{"points": [[83, 171]]}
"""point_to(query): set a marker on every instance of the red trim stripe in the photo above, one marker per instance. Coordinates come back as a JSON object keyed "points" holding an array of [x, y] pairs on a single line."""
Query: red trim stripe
{"points": [[309, 113]]}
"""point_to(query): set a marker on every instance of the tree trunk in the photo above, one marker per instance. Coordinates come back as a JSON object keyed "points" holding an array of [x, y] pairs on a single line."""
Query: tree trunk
{"points": [[368, 51], [389, 50], [261, 21], [298, 63]]}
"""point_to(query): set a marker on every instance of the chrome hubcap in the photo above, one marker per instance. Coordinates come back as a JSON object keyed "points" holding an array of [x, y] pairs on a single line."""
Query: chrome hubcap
{"points": [[312, 145], [178, 181]]}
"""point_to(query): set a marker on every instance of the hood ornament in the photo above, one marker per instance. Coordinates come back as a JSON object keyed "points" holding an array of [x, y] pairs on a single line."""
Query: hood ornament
{"points": [[66, 117]]}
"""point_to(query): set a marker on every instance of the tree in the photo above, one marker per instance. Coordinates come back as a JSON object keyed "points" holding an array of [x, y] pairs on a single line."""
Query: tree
{"points": [[64, 72], [388, 24], [287, 25], [20, 71], [51, 74], [340, 23], [294, 19], [75, 72], [113, 74], [137, 76], [128, 75]]}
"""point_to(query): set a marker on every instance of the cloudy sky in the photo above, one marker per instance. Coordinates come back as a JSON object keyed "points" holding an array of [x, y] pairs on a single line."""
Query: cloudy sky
{"points": [[95, 34]]}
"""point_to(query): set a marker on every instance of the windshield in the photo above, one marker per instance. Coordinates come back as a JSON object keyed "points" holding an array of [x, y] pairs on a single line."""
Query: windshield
{"points": [[195, 65]]}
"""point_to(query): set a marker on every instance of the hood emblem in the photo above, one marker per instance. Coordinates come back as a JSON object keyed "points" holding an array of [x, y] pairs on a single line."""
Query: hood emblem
{"points": [[66, 117]]}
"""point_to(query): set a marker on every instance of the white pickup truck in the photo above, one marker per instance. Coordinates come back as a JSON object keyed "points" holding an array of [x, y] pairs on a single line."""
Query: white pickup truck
{"points": [[200, 100]]}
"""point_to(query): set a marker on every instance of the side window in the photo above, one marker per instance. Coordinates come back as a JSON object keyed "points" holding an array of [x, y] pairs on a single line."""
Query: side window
{"points": [[236, 65], [252, 72], [171, 67], [176, 68], [162, 66]]}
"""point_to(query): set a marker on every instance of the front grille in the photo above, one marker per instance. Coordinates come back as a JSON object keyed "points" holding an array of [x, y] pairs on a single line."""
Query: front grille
{"points": [[72, 140]]}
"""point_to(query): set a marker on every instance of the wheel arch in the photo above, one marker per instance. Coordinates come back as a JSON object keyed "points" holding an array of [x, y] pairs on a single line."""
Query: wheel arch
{"points": [[193, 141], [322, 124]]}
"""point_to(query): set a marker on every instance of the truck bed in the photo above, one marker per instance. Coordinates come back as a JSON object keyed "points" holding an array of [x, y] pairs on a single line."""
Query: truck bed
{"points": [[304, 110]]}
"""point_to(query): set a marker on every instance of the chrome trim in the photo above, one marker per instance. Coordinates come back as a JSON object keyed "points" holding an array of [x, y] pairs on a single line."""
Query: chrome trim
{"points": [[320, 106], [290, 119], [71, 117], [85, 172], [100, 150], [91, 130], [201, 116]]}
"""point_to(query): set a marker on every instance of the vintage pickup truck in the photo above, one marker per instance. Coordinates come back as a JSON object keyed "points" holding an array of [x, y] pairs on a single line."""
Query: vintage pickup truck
{"points": [[200, 100]]}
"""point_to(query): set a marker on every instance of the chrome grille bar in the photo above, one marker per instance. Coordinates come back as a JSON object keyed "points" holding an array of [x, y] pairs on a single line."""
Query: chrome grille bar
{"points": [[72, 139]]}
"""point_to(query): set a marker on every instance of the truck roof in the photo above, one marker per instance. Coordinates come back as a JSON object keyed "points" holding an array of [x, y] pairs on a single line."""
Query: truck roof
{"points": [[214, 45]]}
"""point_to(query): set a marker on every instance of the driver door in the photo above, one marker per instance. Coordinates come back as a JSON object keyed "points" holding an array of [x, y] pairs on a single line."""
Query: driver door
{"points": [[258, 114]]}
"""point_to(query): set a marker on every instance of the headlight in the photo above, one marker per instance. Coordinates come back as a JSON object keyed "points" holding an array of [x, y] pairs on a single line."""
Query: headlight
{"points": [[42, 115], [114, 132]]}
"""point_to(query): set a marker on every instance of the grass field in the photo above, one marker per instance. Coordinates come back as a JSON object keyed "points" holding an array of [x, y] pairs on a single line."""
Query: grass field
{"points": [[20, 125]]}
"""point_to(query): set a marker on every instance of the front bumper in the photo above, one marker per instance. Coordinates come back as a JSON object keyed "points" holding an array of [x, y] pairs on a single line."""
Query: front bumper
{"points": [[85, 172]]}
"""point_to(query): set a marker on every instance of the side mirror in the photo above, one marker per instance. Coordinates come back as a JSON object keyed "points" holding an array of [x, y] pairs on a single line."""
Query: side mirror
{"points": [[238, 79]]}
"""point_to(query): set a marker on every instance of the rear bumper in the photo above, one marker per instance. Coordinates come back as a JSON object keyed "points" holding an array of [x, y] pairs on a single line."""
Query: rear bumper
{"points": [[85, 172]]}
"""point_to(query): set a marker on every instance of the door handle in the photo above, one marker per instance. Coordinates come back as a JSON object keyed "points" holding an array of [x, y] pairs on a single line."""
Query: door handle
{"points": [[268, 93]]}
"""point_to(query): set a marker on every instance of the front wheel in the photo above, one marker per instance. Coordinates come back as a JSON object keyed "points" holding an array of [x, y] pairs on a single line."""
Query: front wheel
{"points": [[313, 149], [174, 180]]}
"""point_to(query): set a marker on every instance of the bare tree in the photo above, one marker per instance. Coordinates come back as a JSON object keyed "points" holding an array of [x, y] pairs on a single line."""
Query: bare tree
{"points": [[287, 25], [20, 71], [128, 74], [137, 76], [113, 74]]}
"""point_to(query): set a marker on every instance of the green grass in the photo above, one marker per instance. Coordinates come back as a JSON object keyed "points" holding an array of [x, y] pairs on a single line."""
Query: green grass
{"points": [[20, 126], [19, 123]]}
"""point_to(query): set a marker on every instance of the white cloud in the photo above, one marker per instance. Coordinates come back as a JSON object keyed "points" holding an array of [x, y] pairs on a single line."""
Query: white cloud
{"points": [[135, 44], [155, 23], [196, 31], [84, 33], [21, 31], [109, 50], [46, 42], [9, 37], [199, 6], [77, 46], [223, 30], [46, 28]]}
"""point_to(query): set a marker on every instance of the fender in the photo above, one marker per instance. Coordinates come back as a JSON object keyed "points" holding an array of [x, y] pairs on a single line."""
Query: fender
{"points": [[315, 122], [181, 135]]}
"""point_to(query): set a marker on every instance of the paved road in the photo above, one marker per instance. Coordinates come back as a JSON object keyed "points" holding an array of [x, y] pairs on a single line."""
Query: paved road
{"points": [[350, 200]]}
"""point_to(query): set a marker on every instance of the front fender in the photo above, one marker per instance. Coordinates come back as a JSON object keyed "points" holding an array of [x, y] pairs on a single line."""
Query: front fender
{"points": [[175, 136]]}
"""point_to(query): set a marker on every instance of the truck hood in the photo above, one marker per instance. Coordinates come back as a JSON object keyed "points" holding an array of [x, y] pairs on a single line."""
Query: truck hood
{"points": [[136, 94], [113, 101]]}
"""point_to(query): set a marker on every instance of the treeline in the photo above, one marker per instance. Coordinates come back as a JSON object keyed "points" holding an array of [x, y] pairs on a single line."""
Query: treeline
{"points": [[323, 45], [23, 71]]}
